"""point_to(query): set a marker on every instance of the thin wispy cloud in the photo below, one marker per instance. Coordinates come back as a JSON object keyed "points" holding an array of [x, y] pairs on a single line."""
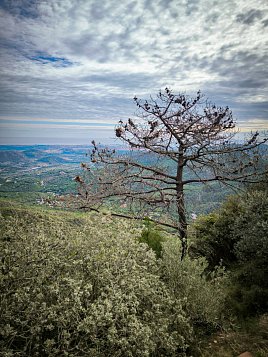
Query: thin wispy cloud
{"points": [[86, 59]]}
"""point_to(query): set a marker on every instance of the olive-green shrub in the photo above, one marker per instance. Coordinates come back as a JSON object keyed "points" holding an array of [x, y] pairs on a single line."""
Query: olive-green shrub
{"points": [[249, 294], [202, 296], [214, 238], [237, 236], [251, 227], [86, 289], [153, 237]]}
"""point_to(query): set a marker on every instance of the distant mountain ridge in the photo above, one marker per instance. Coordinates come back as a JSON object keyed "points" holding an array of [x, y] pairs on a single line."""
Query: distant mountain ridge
{"points": [[56, 154], [12, 157], [42, 154]]}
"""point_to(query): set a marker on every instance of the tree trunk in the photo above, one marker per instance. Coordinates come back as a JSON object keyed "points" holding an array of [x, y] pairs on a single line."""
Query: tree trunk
{"points": [[182, 227], [182, 220]]}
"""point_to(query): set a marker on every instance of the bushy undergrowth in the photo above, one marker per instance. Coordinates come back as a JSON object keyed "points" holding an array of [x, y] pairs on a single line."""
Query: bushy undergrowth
{"points": [[249, 294], [237, 235], [72, 287], [202, 295], [214, 237], [153, 237]]}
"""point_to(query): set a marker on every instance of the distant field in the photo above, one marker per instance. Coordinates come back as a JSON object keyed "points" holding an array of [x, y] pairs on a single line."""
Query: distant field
{"points": [[29, 174]]}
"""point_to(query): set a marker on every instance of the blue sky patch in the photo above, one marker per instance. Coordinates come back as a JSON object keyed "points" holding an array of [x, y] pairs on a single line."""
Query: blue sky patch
{"points": [[58, 61]]}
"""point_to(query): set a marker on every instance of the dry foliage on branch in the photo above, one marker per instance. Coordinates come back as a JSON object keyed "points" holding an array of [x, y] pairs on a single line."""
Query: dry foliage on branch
{"points": [[171, 136]]}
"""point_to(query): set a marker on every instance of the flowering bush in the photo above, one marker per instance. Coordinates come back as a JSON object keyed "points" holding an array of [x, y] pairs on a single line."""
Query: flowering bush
{"points": [[72, 287]]}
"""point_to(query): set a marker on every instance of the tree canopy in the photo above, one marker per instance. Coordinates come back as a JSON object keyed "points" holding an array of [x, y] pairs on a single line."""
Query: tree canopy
{"points": [[175, 140]]}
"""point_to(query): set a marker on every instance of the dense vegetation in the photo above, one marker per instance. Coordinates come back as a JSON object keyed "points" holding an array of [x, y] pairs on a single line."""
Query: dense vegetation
{"points": [[236, 236], [88, 285], [81, 286]]}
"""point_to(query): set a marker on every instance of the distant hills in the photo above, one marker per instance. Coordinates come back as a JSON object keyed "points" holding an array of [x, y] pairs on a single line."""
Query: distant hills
{"points": [[42, 154], [30, 172]]}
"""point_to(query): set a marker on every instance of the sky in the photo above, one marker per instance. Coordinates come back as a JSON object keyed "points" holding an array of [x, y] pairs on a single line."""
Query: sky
{"points": [[70, 68]]}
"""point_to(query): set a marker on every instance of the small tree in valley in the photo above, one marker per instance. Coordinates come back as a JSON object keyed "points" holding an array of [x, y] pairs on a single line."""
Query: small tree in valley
{"points": [[175, 141]]}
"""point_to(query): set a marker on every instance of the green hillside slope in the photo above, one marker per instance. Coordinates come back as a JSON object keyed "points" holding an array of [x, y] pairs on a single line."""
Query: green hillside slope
{"points": [[82, 284]]}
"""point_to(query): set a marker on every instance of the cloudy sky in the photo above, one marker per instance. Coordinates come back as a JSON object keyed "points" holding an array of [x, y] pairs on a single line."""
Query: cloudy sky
{"points": [[70, 68]]}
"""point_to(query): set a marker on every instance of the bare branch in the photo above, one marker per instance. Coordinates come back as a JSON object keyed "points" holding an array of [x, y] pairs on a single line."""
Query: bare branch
{"points": [[183, 140]]}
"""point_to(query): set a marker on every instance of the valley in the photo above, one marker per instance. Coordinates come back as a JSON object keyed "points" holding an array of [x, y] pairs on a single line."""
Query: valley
{"points": [[31, 174]]}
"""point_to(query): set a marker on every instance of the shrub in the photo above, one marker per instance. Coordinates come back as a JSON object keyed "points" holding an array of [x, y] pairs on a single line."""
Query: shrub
{"points": [[214, 238], [250, 286], [83, 291], [248, 294], [153, 238], [202, 296], [237, 235], [251, 227]]}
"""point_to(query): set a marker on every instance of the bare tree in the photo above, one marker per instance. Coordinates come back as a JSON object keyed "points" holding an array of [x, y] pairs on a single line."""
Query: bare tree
{"points": [[175, 141]]}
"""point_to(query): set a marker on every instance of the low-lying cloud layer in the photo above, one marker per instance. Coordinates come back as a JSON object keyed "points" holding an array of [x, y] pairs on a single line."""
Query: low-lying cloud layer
{"points": [[85, 60]]}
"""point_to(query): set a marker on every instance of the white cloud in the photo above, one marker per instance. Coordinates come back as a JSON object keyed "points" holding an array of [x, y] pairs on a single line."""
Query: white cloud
{"points": [[260, 124], [50, 120], [127, 48], [41, 126]]}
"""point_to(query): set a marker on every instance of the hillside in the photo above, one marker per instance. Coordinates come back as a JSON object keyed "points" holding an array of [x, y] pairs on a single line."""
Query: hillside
{"points": [[82, 284]]}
